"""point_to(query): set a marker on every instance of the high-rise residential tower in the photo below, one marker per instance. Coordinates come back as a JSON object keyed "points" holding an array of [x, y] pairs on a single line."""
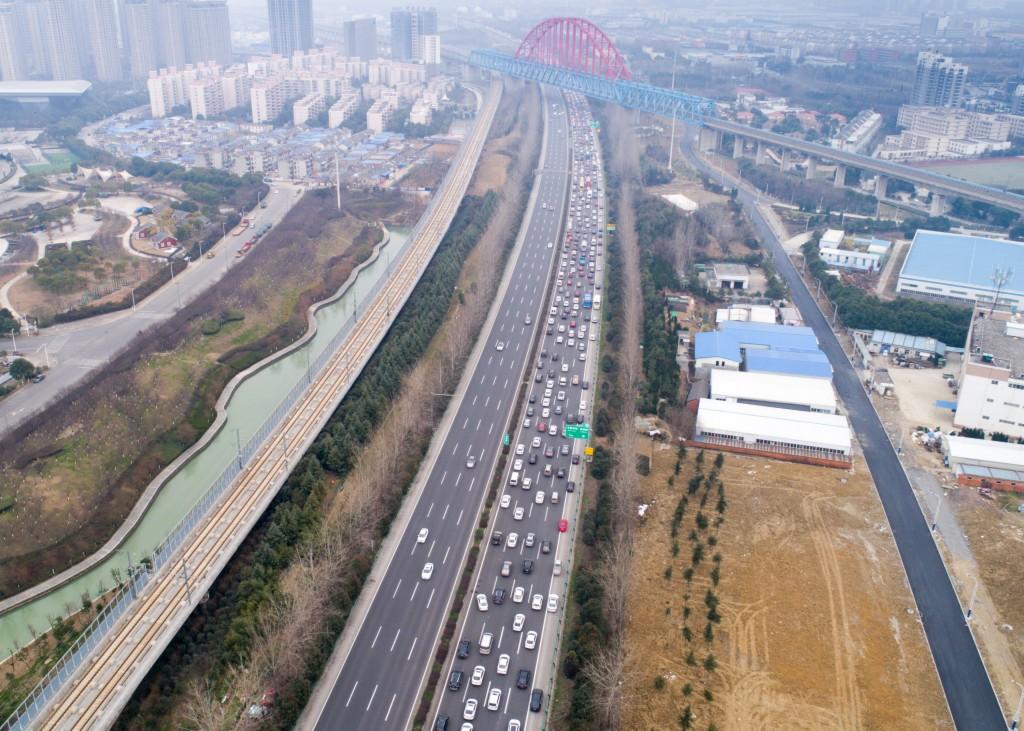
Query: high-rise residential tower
{"points": [[101, 26], [939, 81], [209, 31], [291, 26], [408, 26], [60, 39], [360, 38], [11, 55]]}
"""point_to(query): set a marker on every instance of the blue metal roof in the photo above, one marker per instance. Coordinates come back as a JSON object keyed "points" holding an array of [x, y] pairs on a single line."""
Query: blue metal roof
{"points": [[768, 335], [791, 362], [716, 345], [964, 260]]}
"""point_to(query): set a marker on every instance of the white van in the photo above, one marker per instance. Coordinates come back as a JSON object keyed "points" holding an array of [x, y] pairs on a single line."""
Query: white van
{"points": [[514, 479], [583, 404], [486, 642]]}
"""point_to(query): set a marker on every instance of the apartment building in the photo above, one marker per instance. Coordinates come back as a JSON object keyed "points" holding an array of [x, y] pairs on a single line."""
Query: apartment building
{"points": [[939, 81], [379, 116], [342, 109], [307, 108]]}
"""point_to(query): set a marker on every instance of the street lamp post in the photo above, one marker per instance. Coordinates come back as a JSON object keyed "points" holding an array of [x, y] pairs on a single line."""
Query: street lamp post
{"points": [[935, 515], [1020, 704], [970, 604]]}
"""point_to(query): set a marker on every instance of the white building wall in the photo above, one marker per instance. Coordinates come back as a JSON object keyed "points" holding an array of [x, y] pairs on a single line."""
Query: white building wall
{"points": [[990, 403], [850, 259]]}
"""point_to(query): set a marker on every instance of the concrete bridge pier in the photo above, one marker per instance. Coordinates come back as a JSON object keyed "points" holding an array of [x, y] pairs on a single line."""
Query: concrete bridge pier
{"points": [[762, 153], [881, 186], [840, 180], [786, 159], [710, 139], [812, 167], [737, 147], [939, 205]]}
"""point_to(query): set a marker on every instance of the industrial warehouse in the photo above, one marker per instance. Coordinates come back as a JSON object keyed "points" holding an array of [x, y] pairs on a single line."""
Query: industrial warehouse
{"points": [[764, 388]]}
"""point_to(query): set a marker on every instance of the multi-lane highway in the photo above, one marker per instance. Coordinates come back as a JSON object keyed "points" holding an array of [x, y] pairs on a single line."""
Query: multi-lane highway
{"points": [[498, 675], [376, 683], [972, 701], [90, 694]]}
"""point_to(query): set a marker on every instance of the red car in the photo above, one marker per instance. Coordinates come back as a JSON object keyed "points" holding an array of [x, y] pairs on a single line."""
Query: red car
{"points": [[563, 525], [542, 426]]}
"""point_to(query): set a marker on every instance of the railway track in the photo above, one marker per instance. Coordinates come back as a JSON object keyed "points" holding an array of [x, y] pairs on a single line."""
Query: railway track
{"points": [[105, 681]]}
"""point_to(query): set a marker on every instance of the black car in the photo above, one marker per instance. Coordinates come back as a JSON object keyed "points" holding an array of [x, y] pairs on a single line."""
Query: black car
{"points": [[498, 596], [465, 647], [551, 331], [529, 411], [527, 566], [455, 680], [538, 378], [523, 679], [575, 459], [533, 398], [442, 723], [545, 546], [555, 358], [533, 458], [560, 473], [536, 700], [570, 486], [497, 537]]}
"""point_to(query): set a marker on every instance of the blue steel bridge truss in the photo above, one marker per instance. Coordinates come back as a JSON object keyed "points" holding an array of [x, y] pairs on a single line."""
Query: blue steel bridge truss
{"points": [[629, 94]]}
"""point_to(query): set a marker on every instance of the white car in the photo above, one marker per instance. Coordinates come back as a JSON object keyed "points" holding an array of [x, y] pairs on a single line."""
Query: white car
{"points": [[477, 678], [422, 537], [518, 594], [527, 483], [470, 462], [512, 540], [539, 497], [535, 443], [518, 621], [494, 699], [553, 602], [530, 642], [499, 346], [529, 540], [520, 449], [517, 466], [552, 431], [565, 367], [503, 662], [469, 711], [506, 500], [514, 725], [519, 513], [481, 601], [537, 603], [427, 572]]}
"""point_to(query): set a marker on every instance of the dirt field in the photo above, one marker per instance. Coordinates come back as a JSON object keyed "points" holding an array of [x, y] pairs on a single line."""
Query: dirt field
{"points": [[917, 390], [818, 628]]}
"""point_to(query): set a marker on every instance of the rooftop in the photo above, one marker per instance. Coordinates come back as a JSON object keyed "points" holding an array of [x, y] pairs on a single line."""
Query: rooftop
{"points": [[964, 260], [793, 362], [804, 428], [733, 336], [772, 387], [729, 269], [40, 89], [993, 345], [984, 452], [902, 340]]}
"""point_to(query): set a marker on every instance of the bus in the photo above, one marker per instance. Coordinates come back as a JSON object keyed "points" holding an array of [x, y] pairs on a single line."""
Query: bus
{"points": [[587, 300], [597, 302]]}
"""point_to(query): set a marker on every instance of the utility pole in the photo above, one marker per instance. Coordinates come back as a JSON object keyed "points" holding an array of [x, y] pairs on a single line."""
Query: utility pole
{"points": [[970, 604], [1000, 276], [14, 343], [184, 573], [672, 139], [337, 179], [935, 515], [238, 446], [133, 299], [1020, 703]]}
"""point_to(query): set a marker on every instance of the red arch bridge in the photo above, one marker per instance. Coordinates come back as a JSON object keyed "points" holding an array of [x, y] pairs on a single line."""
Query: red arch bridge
{"points": [[576, 55]]}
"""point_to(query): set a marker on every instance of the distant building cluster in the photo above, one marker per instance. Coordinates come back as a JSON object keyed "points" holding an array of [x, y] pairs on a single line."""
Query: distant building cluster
{"points": [[307, 82], [939, 132], [109, 40], [414, 35]]}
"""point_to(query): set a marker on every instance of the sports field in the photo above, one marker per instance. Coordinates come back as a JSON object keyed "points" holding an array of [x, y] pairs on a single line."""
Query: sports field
{"points": [[59, 162], [1000, 172]]}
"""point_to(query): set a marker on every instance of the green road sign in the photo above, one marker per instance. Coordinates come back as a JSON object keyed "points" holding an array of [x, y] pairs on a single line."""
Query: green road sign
{"points": [[505, 440], [577, 431]]}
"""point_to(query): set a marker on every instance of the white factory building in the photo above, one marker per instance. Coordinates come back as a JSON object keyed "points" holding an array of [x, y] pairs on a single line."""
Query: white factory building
{"points": [[991, 384], [777, 432], [779, 390], [983, 463]]}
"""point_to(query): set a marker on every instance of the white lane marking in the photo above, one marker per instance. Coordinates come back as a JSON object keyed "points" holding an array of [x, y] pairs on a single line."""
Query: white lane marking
{"points": [[446, 552], [471, 483], [430, 598], [392, 703], [392, 649], [466, 422], [474, 404], [351, 694], [414, 588], [409, 656], [431, 549], [458, 477], [445, 515], [459, 521], [372, 696], [372, 644], [395, 592], [486, 401], [444, 475], [490, 429]]}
